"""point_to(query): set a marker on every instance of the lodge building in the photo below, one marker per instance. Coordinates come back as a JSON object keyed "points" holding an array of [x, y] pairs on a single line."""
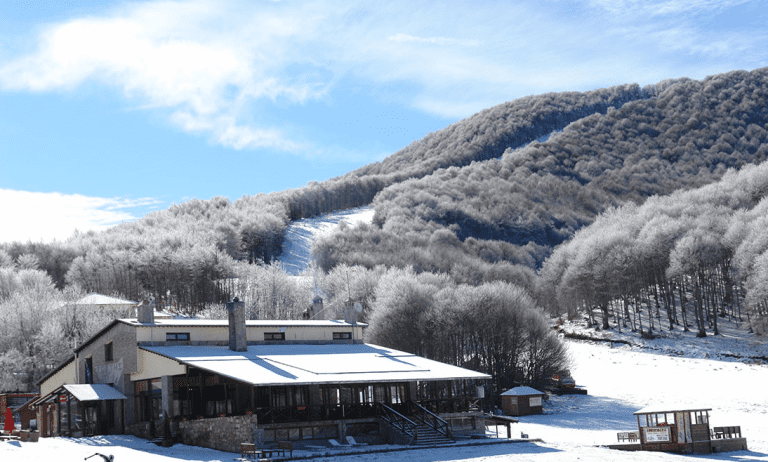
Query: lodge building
{"points": [[226, 382]]}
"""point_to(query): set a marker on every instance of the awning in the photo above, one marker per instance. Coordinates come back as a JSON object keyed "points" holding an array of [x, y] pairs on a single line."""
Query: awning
{"points": [[93, 392], [302, 364]]}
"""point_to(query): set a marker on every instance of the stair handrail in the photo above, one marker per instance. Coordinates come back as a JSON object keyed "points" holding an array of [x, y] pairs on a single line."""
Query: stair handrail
{"points": [[397, 420], [431, 419]]}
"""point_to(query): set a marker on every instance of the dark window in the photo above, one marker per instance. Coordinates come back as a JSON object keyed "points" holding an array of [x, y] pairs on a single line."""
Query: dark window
{"points": [[342, 335], [108, 351], [177, 336], [274, 335], [89, 369]]}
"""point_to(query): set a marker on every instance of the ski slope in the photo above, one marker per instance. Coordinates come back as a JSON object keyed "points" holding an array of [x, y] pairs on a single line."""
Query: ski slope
{"points": [[301, 234]]}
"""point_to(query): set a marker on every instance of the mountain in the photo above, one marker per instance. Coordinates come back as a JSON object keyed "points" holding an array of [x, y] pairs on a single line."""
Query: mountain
{"points": [[480, 200], [500, 218]]}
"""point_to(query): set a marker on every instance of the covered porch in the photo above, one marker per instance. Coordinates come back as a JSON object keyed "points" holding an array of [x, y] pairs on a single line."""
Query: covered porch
{"points": [[78, 410], [299, 392]]}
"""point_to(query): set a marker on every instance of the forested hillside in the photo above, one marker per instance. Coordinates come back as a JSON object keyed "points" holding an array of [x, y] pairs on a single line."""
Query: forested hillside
{"points": [[499, 219], [685, 259], [186, 249], [477, 230]]}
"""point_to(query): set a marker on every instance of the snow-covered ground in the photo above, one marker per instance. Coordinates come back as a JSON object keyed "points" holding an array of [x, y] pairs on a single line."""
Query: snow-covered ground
{"points": [[301, 234], [620, 380]]}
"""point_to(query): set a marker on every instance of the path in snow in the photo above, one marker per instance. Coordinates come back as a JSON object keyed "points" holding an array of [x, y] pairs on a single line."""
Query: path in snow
{"points": [[301, 234]]}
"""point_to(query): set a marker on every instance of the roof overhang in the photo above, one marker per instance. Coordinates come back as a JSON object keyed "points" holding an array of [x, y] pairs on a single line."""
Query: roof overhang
{"points": [[85, 392], [303, 364], [670, 409]]}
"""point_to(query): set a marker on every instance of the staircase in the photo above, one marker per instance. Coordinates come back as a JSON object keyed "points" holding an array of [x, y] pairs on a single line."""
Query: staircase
{"points": [[428, 436], [423, 428]]}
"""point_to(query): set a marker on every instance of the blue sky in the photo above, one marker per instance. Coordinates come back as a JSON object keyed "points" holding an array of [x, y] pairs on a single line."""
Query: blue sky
{"points": [[109, 110]]}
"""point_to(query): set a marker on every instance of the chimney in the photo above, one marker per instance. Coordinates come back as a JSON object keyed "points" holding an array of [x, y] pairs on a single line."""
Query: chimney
{"points": [[350, 311], [145, 312], [237, 336], [317, 312]]}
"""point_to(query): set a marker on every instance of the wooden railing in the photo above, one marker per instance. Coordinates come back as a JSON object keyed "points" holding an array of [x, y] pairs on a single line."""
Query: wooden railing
{"points": [[397, 420], [631, 437], [429, 418]]}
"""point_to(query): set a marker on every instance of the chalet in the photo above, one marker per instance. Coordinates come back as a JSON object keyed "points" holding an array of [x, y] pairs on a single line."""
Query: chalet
{"points": [[225, 382], [683, 429], [522, 401]]}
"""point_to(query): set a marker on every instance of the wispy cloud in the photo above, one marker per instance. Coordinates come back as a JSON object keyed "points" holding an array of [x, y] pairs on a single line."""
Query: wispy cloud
{"points": [[220, 68], [49, 216], [442, 41]]}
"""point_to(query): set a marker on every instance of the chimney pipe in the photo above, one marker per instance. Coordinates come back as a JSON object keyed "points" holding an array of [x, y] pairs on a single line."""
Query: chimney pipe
{"points": [[145, 312], [237, 336], [350, 312], [317, 309]]}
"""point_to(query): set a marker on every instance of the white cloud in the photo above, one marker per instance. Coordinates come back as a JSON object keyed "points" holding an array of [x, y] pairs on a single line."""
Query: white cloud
{"points": [[218, 67], [44, 217]]}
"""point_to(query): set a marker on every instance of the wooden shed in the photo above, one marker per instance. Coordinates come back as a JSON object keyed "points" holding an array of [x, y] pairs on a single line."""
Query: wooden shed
{"points": [[522, 401], [681, 429]]}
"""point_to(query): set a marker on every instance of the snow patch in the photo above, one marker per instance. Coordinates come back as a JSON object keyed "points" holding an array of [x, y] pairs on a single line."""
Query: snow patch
{"points": [[301, 234]]}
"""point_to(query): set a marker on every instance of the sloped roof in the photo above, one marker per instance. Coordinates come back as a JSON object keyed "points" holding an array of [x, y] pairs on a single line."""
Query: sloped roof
{"points": [[522, 391], [661, 409], [98, 299], [302, 364], [93, 392]]}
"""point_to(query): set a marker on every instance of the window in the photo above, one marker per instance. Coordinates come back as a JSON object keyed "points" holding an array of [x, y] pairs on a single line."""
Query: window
{"points": [[108, 351], [177, 337], [274, 335], [89, 369], [342, 335]]}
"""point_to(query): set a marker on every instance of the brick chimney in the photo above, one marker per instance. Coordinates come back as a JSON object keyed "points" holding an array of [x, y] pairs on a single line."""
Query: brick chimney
{"points": [[145, 312], [238, 340]]}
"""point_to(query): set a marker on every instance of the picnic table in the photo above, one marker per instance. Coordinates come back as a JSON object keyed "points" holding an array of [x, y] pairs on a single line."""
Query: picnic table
{"points": [[249, 450]]}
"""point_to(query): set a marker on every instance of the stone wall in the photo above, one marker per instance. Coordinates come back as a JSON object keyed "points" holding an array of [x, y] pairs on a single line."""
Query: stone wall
{"points": [[221, 433]]}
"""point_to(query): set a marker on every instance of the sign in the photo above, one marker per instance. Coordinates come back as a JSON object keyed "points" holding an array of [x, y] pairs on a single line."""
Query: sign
{"points": [[534, 401], [656, 434]]}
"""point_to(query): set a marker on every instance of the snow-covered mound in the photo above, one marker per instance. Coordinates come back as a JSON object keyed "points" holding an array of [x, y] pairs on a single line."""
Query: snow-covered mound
{"points": [[301, 234]]}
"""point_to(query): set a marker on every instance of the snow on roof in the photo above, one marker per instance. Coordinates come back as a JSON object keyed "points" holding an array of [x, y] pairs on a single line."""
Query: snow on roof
{"points": [[661, 409], [302, 364], [93, 392], [98, 299], [522, 391], [182, 322]]}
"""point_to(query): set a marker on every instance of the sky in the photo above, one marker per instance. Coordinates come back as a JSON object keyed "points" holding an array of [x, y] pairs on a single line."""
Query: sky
{"points": [[112, 109]]}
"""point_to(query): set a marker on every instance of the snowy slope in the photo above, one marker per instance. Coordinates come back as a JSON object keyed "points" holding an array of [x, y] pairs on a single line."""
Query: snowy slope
{"points": [[301, 234]]}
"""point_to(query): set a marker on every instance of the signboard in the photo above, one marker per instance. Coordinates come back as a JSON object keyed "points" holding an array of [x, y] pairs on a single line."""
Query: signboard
{"points": [[656, 434], [534, 401]]}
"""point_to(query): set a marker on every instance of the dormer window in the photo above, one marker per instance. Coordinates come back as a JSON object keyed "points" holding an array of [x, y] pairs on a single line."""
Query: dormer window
{"points": [[177, 336]]}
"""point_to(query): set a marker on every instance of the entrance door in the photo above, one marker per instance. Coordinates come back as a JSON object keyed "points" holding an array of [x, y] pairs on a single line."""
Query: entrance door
{"points": [[91, 415], [109, 417]]}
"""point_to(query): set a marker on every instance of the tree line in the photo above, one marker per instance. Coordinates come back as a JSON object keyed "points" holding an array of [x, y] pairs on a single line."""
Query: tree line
{"points": [[683, 260]]}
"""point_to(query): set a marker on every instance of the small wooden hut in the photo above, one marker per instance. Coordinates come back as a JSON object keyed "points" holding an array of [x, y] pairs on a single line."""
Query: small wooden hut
{"points": [[522, 401], [679, 429]]}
